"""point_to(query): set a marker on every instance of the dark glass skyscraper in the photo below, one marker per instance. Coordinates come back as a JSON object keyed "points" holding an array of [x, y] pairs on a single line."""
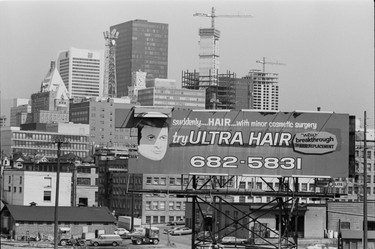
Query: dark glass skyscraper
{"points": [[141, 45]]}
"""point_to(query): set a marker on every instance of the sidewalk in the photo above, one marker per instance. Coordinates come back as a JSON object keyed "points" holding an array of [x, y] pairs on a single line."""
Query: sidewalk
{"points": [[24, 244]]}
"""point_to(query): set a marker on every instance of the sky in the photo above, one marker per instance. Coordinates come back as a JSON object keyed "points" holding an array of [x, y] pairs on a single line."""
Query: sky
{"points": [[326, 46]]}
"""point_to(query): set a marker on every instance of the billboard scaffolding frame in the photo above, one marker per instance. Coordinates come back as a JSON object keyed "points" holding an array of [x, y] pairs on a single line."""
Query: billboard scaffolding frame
{"points": [[211, 195]]}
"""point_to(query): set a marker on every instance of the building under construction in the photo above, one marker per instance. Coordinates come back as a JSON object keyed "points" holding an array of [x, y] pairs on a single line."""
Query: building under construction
{"points": [[220, 88]]}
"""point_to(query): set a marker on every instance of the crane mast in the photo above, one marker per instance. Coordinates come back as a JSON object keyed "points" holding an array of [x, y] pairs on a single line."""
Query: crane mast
{"points": [[209, 57], [110, 83]]}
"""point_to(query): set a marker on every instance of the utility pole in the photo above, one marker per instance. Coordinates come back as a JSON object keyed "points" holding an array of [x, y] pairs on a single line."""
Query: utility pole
{"points": [[59, 140], [364, 183]]}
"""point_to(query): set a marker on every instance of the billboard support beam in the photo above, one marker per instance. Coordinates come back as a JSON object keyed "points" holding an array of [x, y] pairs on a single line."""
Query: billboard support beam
{"points": [[211, 204]]}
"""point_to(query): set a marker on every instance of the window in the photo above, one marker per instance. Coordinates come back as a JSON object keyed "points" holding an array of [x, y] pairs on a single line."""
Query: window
{"points": [[48, 182], [345, 225], [178, 205], [250, 185], [368, 154], [20, 179], [156, 181], [178, 181], [47, 196], [242, 185], [171, 181], [350, 190], [155, 219], [162, 205], [148, 219], [14, 189], [148, 180], [371, 225], [171, 205], [148, 205], [163, 180], [162, 219], [155, 205], [20, 189], [83, 181]]}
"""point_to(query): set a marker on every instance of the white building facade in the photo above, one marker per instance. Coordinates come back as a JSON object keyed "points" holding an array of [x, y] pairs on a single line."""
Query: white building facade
{"points": [[23, 187], [82, 72], [265, 92]]}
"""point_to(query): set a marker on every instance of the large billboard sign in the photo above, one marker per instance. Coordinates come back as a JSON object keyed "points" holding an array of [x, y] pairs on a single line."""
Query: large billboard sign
{"points": [[241, 142]]}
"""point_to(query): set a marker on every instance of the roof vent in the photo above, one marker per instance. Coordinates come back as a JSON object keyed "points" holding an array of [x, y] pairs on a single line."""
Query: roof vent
{"points": [[32, 204]]}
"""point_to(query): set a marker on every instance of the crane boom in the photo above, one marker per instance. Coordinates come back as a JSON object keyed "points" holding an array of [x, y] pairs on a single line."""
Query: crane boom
{"points": [[213, 16], [269, 62]]}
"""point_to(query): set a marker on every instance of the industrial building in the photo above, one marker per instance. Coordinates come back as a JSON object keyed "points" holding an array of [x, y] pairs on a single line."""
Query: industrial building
{"points": [[82, 72], [99, 114], [162, 208], [20, 112], [14, 140], [33, 179], [141, 45], [164, 92], [21, 187], [114, 183]]}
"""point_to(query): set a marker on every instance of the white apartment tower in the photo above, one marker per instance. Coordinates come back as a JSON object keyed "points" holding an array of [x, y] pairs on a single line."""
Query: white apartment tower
{"points": [[82, 72], [265, 90]]}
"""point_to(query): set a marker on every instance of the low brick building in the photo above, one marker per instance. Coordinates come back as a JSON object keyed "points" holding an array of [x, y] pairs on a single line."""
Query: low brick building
{"points": [[20, 221]]}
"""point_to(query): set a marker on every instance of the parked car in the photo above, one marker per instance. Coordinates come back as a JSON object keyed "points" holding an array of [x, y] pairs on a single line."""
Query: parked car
{"points": [[233, 240], [176, 222], [169, 230], [211, 245], [320, 246], [107, 239], [121, 231], [181, 231]]}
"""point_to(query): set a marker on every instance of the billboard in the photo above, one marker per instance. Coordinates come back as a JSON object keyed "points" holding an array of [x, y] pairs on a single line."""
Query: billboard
{"points": [[239, 142]]}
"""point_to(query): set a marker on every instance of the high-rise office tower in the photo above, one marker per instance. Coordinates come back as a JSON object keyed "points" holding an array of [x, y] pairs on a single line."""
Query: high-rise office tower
{"points": [[141, 45], [82, 72], [265, 90]]}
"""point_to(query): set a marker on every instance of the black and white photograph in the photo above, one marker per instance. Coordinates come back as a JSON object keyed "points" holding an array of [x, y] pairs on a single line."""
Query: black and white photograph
{"points": [[190, 124]]}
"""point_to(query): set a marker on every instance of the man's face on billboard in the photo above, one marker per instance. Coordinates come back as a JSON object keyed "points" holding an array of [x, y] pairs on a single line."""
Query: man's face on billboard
{"points": [[154, 142]]}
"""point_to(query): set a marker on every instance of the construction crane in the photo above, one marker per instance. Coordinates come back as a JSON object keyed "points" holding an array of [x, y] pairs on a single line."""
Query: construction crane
{"points": [[213, 16], [209, 57], [110, 84], [268, 62]]}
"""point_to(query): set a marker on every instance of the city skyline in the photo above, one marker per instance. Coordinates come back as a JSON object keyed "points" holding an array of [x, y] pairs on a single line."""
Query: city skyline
{"points": [[328, 54]]}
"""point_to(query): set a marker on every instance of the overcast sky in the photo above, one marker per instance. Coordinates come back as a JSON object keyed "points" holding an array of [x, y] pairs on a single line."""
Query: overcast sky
{"points": [[327, 45]]}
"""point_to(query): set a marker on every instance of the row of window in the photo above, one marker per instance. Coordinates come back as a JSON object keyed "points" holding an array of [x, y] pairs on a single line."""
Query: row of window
{"points": [[161, 205], [175, 181], [359, 190], [48, 137], [161, 219], [124, 204], [36, 144]]}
